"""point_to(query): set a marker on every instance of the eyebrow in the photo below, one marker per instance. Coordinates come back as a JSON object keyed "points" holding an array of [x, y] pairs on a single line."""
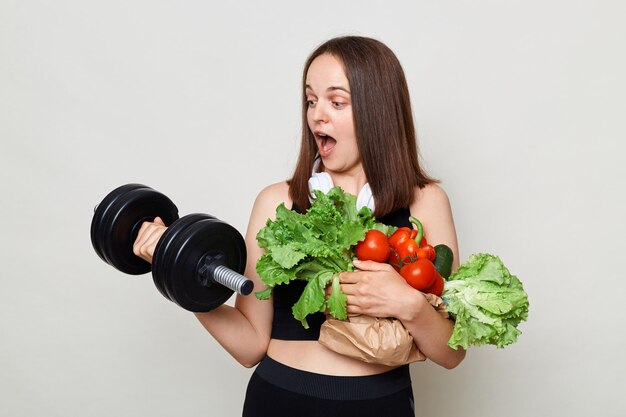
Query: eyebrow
{"points": [[331, 88]]}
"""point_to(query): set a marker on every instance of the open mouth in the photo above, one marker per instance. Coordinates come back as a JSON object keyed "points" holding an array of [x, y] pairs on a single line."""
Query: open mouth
{"points": [[325, 143]]}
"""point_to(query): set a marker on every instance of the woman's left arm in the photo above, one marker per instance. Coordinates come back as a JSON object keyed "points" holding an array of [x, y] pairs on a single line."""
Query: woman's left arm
{"points": [[377, 290], [429, 329]]}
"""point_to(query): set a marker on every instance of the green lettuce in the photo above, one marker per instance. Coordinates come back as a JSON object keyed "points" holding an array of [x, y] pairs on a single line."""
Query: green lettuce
{"points": [[486, 302], [314, 247]]}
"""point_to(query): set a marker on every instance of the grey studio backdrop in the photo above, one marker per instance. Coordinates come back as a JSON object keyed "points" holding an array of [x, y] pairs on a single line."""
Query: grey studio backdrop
{"points": [[519, 108]]}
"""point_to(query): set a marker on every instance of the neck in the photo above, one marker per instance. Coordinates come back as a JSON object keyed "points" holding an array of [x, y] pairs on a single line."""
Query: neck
{"points": [[350, 182]]}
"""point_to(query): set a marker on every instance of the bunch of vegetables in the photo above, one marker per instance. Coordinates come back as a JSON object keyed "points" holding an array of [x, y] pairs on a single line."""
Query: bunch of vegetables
{"points": [[486, 301], [423, 266], [314, 247]]}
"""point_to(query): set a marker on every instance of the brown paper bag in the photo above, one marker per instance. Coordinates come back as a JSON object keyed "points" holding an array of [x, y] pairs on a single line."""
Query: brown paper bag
{"points": [[383, 341]]}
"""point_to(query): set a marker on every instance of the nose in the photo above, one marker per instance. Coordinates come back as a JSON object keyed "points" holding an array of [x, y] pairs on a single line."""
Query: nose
{"points": [[319, 113]]}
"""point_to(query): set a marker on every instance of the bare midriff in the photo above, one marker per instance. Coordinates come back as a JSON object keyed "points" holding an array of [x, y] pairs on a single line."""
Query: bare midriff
{"points": [[311, 356]]}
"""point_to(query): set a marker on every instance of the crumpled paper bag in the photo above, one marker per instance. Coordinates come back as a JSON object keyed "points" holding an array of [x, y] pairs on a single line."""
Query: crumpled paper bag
{"points": [[382, 341]]}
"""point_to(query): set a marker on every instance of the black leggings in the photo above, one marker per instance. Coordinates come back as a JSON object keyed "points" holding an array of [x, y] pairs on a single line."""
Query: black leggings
{"points": [[276, 390]]}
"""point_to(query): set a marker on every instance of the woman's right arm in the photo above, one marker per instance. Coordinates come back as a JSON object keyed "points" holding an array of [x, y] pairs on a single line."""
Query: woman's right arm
{"points": [[245, 329]]}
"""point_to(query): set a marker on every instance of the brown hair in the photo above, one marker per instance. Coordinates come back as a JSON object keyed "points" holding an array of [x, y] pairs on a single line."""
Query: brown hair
{"points": [[383, 124]]}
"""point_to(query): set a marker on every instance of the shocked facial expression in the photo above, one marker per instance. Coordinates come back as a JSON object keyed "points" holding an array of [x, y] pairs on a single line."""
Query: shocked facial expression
{"points": [[329, 114]]}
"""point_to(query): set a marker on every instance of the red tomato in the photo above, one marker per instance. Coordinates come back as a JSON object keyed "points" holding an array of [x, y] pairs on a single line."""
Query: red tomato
{"points": [[374, 247], [419, 274], [437, 287]]}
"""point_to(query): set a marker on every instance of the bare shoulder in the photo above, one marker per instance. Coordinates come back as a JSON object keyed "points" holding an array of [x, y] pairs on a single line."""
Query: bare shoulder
{"points": [[271, 196], [277, 190], [432, 196]]}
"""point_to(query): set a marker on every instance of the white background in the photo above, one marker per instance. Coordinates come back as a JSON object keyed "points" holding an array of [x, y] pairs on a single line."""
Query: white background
{"points": [[520, 111]]}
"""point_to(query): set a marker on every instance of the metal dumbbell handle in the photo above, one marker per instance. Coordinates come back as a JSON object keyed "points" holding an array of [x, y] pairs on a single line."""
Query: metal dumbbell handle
{"points": [[214, 272], [233, 280]]}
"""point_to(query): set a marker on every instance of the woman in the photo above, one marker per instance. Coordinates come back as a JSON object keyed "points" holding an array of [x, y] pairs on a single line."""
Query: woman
{"points": [[358, 129]]}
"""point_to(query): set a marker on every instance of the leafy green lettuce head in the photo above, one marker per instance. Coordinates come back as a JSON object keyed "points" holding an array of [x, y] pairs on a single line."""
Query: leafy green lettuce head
{"points": [[486, 301]]}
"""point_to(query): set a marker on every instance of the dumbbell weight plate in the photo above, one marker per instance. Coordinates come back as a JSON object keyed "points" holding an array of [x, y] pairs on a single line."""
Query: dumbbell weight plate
{"points": [[179, 274], [102, 211], [122, 221], [162, 253], [117, 220]]}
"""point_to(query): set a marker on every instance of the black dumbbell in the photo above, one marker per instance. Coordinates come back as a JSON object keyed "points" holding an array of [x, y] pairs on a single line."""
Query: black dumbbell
{"points": [[198, 261]]}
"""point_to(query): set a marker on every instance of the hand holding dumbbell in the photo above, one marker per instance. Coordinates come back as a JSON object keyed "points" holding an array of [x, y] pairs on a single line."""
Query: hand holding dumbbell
{"points": [[197, 262], [147, 238]]}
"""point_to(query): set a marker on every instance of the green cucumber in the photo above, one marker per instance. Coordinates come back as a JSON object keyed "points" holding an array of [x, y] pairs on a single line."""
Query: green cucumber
{"points": [[443, 260]]}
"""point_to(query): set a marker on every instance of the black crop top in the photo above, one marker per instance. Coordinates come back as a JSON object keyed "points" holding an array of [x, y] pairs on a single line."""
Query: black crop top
{"points": [[284, 325]]}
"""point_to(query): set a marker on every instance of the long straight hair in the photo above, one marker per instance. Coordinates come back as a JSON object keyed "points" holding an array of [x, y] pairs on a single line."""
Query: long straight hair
{"points": [[383, 124]]}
